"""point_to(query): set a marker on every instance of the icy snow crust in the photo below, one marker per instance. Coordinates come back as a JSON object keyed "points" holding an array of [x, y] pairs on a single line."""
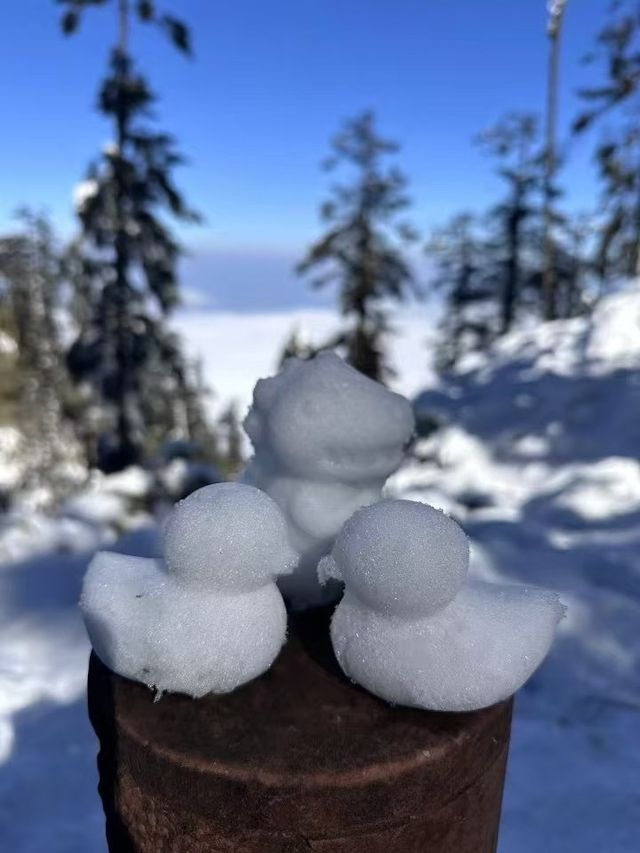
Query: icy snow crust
{"points": [[411, 631], [210, 617], [325, 438]]}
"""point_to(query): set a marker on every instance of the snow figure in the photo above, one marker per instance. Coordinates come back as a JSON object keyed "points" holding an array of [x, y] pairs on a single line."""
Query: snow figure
{"points": [[411, 628], [325, 439], [209, 617]]}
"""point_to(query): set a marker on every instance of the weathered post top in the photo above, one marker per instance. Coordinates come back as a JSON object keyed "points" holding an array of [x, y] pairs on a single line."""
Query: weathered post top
{"points": [[299, 759]]}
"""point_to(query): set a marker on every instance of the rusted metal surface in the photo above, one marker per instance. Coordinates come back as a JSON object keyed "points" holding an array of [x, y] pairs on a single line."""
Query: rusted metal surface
{"points": [[298, 760]]}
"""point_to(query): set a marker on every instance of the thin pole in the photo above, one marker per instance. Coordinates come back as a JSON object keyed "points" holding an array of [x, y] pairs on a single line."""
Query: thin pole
{"points": [[549, 277], [123, 26], [124, 426]]}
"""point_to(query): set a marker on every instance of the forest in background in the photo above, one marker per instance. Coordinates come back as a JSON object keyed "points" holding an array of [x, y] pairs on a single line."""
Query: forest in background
{"points": [[93, 375]]}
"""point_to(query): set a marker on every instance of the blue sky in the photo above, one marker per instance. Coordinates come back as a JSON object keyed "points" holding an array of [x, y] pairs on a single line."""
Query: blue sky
{"points": [[270, 83]]}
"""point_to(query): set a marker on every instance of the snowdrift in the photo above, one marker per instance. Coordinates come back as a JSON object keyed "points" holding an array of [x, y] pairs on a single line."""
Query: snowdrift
{"points": [[536, 454]]}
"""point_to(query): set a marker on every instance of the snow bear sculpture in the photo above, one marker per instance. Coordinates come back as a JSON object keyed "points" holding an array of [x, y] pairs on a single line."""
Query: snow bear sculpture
{"points": [[325, 440]]}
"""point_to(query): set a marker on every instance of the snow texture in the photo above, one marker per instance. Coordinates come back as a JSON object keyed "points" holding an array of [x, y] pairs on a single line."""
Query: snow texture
{"points": [[84, 192], [400, 558], [537, 457], [210, 617], [411, 631], [325, 438]]}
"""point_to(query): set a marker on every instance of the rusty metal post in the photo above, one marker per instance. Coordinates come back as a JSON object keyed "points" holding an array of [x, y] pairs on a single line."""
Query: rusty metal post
{"points": [[298, 760]]}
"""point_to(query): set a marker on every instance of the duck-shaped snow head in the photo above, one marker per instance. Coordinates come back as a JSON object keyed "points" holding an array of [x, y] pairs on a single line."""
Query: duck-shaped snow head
{"points": [[399, 558], [207, 618], [322, 420], [227, 536], [411, 630]]}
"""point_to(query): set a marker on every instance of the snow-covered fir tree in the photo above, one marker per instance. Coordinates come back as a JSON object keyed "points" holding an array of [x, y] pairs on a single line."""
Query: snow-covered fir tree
{"points": [[10, 383], [33, 274], [617, 154], [231, 446], [574, 266], [618, 246], [295, 346], [172, 396], [361, 253], [126, 256], [513, 144], [469, 312]]}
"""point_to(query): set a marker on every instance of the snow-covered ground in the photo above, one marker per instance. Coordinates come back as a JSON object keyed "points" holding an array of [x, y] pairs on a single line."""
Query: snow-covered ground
{"points": [[537, 456], [47, 751]]}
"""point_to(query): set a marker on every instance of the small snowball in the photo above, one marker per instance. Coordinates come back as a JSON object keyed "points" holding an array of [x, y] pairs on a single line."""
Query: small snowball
{"points": [[477, 647], [227, 536], [210, 617], [325, 438], [400, 558]]}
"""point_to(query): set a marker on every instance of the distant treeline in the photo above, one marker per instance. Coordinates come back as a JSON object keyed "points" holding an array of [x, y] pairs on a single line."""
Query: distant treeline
{"points": [[100, 379], [526, 254], [98, 374]]}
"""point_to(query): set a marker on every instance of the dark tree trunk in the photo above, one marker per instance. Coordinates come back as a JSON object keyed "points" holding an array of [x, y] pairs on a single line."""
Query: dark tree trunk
{"points": [[127, 453], [634, 260], [512, 271]]}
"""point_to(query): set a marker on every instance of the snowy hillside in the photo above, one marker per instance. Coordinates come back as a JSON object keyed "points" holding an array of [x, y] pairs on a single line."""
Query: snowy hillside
{"points": [[536, 455]]}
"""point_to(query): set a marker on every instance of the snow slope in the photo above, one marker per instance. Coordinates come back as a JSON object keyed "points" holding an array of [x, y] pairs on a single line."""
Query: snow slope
{"points": [[47, 750], [537, 457]]}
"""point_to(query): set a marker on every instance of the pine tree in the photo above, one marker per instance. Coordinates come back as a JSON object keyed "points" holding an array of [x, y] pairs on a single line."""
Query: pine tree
{"points": [[618, 155], [513, 143], [295, 347], [361, 253], [574, 266], [126, 257], [186, 392], [618, 246], [31, 265], [10, 380], [232, 455], [469, 313]]}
